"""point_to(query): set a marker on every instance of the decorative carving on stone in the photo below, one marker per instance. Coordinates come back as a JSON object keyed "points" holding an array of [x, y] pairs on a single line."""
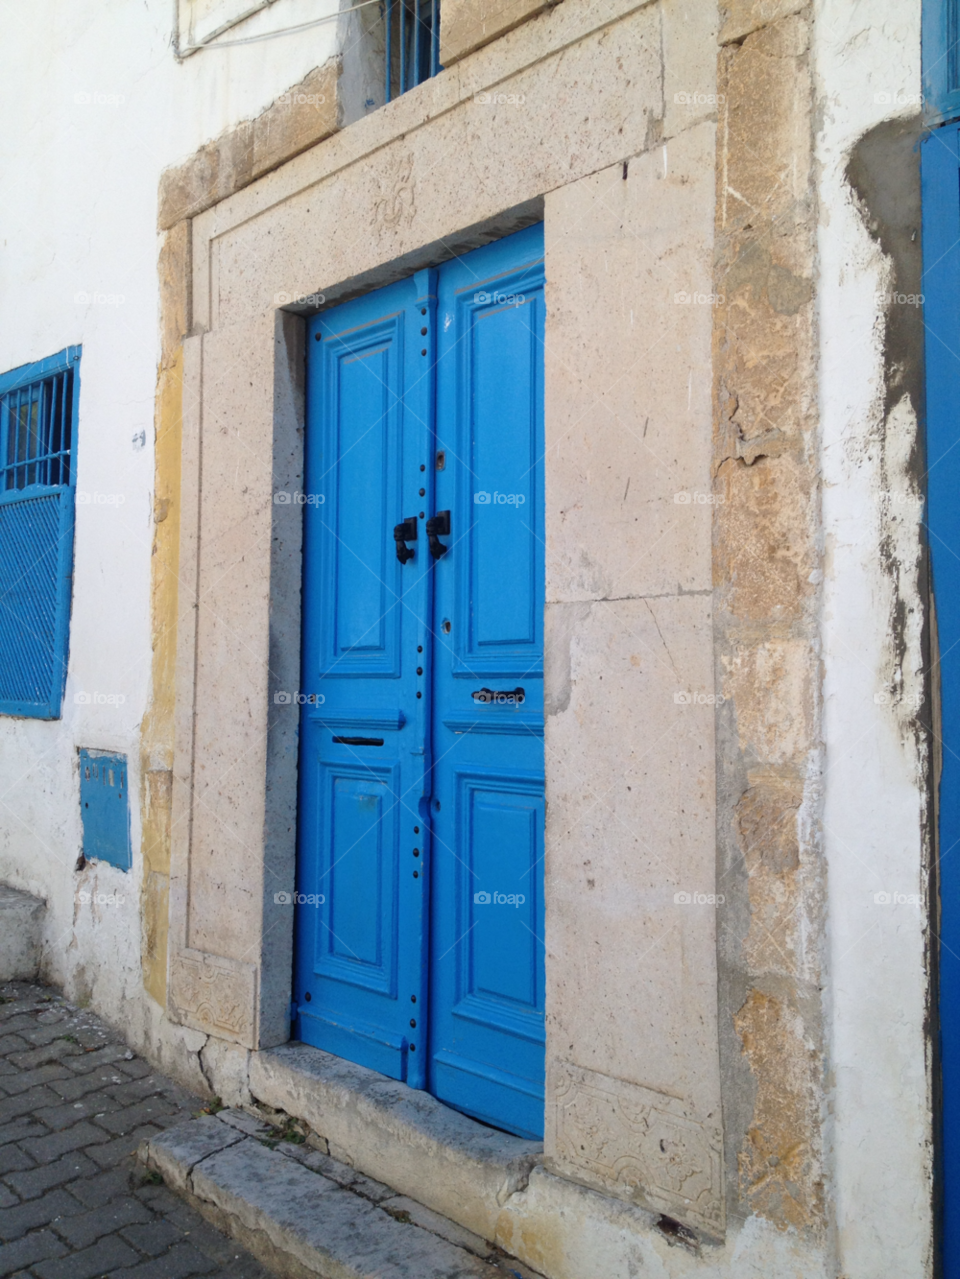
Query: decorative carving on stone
{"points": [[214, 994], [397, 203], [638, 1144]]}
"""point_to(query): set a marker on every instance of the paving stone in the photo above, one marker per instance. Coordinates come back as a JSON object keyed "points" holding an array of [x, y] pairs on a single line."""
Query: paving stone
{"points": [[14, 1159], [88, 1061], [93, 1105], [59, 1050], [30, 1184], [137, 1068], [36, 1247], [105, 1255], [13, 1020], [94, 1192], [159, 1198], [79, 1136], [15, 1222], [53, 1015], [180, 1262], [19, 1081], [23, 1103], [82, 1230], [25, 1126], [152, 1110], [76, 1086], [12, 1043], [130, 1091], [94, 1037], [111, 1152], [88, 1209], [156, 1236], [41, 1035]]}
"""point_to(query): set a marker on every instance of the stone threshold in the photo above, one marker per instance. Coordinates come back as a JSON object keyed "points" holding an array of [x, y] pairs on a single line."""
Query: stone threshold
{"points": [[460, 1168], [303, 1213]]}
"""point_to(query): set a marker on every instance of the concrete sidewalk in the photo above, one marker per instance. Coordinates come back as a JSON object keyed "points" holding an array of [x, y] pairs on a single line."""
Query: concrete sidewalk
{"points": [[75, 1102]]}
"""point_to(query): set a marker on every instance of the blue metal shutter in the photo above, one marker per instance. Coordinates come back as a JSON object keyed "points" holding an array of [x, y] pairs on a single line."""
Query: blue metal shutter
{"points": [[38, 409]]}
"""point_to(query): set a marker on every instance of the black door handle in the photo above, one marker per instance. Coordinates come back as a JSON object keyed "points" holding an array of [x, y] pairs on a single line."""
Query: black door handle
{"points": [[404, 533], [438, 525], [512, 696]]}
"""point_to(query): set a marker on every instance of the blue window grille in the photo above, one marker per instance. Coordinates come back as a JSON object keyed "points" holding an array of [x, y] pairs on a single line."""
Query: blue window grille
{"points": [[941, 60], [412, 44], [38, 427]]}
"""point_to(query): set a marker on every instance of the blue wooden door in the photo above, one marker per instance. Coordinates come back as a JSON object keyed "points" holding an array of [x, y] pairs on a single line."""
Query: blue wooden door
{"points": [[364, 763], [940, 168], [421, 773], [487, 969]]}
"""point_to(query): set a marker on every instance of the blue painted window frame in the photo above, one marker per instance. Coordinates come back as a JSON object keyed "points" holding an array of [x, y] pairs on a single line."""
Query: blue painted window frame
{"points": [[50, 703], [941, 60]]}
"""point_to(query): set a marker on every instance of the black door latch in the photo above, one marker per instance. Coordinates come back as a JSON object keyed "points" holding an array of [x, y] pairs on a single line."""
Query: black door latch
{"points": [[438, 525], [404, 533]]}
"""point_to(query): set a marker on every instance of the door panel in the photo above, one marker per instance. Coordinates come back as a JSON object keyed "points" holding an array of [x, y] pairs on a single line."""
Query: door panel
{"points": [[487, 968], [361, 924]]}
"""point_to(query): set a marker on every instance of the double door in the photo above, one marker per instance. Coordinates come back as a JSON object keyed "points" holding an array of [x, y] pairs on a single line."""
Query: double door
{"points": [[419, 946]]}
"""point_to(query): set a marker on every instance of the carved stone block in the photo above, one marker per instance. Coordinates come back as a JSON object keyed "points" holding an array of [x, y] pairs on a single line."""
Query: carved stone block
{"points": [[215, 995], [637, 1144]]}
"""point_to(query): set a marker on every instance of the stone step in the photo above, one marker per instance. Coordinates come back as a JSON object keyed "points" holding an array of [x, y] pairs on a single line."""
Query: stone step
{"points": [[303, 1213], [21, 930]]}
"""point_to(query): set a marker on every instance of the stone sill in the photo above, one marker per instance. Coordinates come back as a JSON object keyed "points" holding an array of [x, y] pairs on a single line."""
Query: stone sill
{"points": [[398, 1135]]}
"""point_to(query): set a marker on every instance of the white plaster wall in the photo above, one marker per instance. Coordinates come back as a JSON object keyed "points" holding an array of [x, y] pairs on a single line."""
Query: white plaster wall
{"points": [[95, 106], [879, 1097]]}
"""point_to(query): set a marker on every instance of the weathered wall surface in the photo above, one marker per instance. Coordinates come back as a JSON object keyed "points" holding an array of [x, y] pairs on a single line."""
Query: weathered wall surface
{"points": [[876, 702], [767, 570], [110, 108]]}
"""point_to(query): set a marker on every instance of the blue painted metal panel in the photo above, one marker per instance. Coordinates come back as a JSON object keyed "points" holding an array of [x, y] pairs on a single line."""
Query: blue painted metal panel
{"points": [[941, 59], [105, 808], [940, 168], [487, 964], [38, 417], [363, 838]]}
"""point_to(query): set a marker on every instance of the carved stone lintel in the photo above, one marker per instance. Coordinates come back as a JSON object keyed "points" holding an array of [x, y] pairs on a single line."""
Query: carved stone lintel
{"points": [[214, 994], [637, 1144]]}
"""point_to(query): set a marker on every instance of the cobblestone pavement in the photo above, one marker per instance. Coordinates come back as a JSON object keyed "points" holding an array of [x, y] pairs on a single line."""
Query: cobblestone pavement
{"points": [[74, 1202]]}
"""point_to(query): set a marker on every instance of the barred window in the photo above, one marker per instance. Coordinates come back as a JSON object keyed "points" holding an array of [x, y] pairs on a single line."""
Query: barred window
{"points": [[38, 415]]}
